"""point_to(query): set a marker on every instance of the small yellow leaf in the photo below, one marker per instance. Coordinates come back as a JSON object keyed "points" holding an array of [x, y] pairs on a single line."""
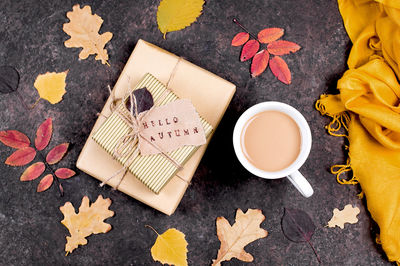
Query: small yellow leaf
{"points": [[170, 248], [51, 86], [173, 15], [89, 220], [347, 215]]}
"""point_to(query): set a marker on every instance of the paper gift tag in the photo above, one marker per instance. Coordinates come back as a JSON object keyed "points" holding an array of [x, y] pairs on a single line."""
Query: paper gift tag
{"points": [[168, 127]]}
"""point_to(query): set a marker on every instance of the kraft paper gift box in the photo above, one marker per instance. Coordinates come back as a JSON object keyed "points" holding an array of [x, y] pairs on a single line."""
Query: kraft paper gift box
{"points": [[210, 96]]}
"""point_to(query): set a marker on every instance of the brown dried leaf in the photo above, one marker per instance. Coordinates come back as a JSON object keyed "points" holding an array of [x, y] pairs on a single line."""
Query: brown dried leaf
{"points": [[88, 221], [83, 29], [57, 153], [43, 134], [21, 157], [234, 238], [14, 139], [347, 215], [45, 183], [33, 171], [270, 34]]}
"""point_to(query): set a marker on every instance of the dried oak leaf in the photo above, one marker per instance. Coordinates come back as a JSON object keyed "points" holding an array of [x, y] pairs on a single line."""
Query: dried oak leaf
{"points": [[51, 86], [21, 157], [234, 238], [14, 139], [170, 248], [43, 134], [89, 220], [83, 29], [347, 215]]}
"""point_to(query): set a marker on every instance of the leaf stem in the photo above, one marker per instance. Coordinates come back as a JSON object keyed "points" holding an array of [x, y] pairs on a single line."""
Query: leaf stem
{"points": [[246, 30], [54, 174], [315, 252], [152, 229], [34, 105]]}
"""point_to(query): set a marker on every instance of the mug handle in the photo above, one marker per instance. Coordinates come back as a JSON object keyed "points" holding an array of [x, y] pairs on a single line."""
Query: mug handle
{"points": [[301, 184]]}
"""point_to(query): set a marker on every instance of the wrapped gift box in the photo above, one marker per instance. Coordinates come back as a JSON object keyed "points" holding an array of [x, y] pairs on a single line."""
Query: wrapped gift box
{"points": [[209, 94]]}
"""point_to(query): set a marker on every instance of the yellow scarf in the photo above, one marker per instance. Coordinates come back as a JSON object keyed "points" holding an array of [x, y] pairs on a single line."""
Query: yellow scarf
{"points": [[368, 106]]}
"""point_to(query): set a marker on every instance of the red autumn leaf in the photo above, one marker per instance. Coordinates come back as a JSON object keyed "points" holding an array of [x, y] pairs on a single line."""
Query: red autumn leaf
{"points": [[282, 47], [259, 63], [21, 157], [14, 139], [56, 154], [45, 183], [249, 50], [240, 38], [280, 69], [43, 134], [33, 171], [64, 173], [270, 34]]}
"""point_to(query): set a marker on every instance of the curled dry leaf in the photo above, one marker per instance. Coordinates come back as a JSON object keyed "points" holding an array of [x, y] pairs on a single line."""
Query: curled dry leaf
{"points": [[43, 134], [89, 220], [259, 63], [83, 29], [21, 157], [57, 153], [14, 139], [45, 183], [51, 86], [280, 69], [64, 173], [245, 230], [282, 47], [270, 34], [173, 15], [170, 248], [249, 50], [347, 215], [9, 79], [33, 171], [240, 38]]}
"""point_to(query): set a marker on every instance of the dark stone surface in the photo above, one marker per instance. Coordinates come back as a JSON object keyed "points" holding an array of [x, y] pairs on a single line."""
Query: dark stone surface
{"points": [[31, 39]]}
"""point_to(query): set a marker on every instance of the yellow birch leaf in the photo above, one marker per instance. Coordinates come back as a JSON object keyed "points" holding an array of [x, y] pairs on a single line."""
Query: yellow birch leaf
{"points": [[173, 15], [245, 230], [347, 215], [170, 248], [89, 220], [51, 86], [83, 29]]}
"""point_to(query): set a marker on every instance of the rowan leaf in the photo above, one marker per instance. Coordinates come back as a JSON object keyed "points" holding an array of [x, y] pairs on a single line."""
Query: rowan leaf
{"points": [[174, 15], [282, 47], [64, 173], [240, 39], [270, 34], [57, 153], [259, 63], [83, 29], [33, 171], [51, 86], [43, 134], [280, 69], [45, 183], [245, 230], [21, 157], [249, 50], [89, 220], [347, 215], [170, 248], [9, 79], [14, 139]]}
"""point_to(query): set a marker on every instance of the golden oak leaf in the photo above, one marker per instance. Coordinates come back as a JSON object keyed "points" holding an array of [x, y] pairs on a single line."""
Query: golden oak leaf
{"points": [[347, 215], [83, 29], [51, 86], [170, 247], [173, 15], [245, 230], [88, 221]]}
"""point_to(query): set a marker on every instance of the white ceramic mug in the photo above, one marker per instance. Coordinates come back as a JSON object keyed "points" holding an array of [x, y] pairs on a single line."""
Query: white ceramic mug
{"points": [[291, 172]]}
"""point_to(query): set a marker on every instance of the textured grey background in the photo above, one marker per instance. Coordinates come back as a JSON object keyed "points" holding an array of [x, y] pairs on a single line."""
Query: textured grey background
{"points": [[31, 39]]}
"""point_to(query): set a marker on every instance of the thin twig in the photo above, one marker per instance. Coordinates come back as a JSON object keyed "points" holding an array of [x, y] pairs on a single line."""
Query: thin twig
{"points": [[34, 105], [152, 229], [246, 30]]}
